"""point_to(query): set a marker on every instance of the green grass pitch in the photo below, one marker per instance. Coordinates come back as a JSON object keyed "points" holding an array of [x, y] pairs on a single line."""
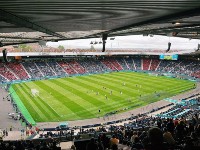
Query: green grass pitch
{"points": [[76, 98]]}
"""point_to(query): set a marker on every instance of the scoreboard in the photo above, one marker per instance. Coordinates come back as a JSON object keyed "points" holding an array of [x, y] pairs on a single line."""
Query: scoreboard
{"points": [[169, 57]]}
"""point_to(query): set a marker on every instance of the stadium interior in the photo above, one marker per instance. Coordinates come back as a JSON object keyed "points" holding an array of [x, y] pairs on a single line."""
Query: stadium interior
{"points": [[97, 95]]}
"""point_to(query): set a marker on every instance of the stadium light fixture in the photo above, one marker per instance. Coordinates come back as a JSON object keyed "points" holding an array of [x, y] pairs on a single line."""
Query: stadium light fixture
{"points": [[176, 23]]}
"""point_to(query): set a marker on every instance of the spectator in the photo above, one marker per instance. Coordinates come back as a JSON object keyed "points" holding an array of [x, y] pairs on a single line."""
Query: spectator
{"points": [[168, 137], [156, 140], [137, 144], [170, 126], [114, 147], [114, 141], [92, 145], [180, 130]]}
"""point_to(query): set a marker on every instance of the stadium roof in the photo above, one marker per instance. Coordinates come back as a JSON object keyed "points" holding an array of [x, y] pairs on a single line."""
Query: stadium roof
{"points": [[29, 21]]}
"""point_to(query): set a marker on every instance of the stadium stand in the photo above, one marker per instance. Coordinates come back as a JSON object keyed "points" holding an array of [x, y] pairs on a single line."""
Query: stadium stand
{"points": [[67, 67], [174, 125], [2, 79], [154, 64], [116, 64], [6, 73], [18, 69], [109, 64], [93, 66], [130, 63], [37, 70], [57, 68], [45, 69], [137, 62], [32, 70], [146, 64], [123, 63], [76, 66]]}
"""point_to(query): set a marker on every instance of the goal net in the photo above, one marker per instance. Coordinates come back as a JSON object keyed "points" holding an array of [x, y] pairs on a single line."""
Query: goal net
{"points": [[153, 74], [35, 92]]}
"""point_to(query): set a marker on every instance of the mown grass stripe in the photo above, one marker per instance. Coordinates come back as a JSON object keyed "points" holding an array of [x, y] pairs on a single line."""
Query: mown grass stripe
{"points": [[49, 100], [75, 98], [36, 102], [68, 103], [27, 102], [87, 98], [47, 107], [64, 101]]}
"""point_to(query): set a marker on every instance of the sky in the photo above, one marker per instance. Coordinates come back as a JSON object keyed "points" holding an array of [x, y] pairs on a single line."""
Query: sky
{"points": [[137, 42]]}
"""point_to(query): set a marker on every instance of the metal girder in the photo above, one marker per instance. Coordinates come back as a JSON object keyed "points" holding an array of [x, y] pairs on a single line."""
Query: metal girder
{"points": [[23, 22], [17, 43], [14, 37], [158, 31], [166, 18]]}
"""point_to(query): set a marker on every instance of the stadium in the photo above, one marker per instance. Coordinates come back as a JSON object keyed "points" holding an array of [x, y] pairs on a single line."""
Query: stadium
{"points": [[97, 75]]}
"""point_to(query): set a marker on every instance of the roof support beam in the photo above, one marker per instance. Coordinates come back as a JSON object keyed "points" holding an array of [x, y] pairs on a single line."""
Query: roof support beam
{"points": [[23, 22], [167, 18], [15, 37]]}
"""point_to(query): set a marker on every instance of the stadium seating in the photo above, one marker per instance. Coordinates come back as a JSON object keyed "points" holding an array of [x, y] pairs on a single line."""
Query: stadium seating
{"points": [[123, 63], [67, 67], [18, 69], [196, 74], [154, 64], [116, 64], [130, 63], [189, 68], [140, 123], [109, 64], [2, 79], [138, 64], [76, 66], [39, 69], [93, 66], [146, 64], [56, 68], [32, 70], [45, 69], [6, 73]]}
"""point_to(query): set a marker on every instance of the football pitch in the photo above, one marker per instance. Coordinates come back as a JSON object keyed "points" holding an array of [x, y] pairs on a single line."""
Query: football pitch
{"points": [[91, 96]]}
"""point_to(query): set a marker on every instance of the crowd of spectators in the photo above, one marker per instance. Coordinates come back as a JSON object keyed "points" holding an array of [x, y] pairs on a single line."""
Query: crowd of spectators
{"points": [[67, 67], [42, 69], [154, 134], [56, 68], [29, 145], [190, 68], [6, 73], [93, 66], [18, 70], [32, 70], [45, 69], [123, 63], [140, 132]]}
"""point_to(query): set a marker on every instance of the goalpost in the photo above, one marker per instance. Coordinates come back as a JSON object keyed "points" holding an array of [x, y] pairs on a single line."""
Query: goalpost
{"points": [[35, 92], [153, 74]]}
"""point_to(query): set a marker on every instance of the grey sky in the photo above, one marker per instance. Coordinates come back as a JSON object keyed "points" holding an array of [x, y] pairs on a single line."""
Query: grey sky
{"points": [[133, 42]]}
